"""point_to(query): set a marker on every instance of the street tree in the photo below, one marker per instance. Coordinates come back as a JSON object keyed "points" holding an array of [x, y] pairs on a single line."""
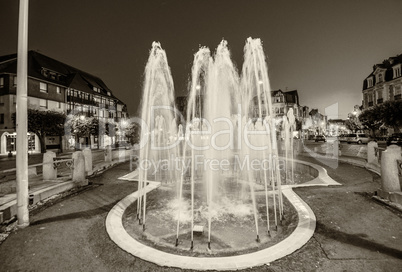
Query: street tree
{"points": [[353, 123], [132, 132], [371, 119], [390, 114], [81, 126], [44, 123]]}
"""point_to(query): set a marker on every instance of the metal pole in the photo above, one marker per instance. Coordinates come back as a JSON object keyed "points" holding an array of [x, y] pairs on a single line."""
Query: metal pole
{"points": [[22, 112]]}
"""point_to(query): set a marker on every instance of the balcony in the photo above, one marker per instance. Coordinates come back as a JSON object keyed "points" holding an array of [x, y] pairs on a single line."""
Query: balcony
{"points": [[81, 101]]}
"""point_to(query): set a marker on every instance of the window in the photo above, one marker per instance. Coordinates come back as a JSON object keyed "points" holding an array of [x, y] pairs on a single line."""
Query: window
{"points": [[379, 94], [391, 92], [369, 82], [380, 78], [1, 82], [1, 118], [15, 80], [43, 103], [370, 100], [53, 75], [43, 87], [397, 70], [379, 97], [58, 90]]}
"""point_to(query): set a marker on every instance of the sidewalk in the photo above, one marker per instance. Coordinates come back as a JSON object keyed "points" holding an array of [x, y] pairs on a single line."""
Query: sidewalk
{"points": [[353, 233], [40, 190]]}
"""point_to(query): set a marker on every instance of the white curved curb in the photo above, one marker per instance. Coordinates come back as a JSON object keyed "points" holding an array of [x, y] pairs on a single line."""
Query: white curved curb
{"points": [[303, 232]]}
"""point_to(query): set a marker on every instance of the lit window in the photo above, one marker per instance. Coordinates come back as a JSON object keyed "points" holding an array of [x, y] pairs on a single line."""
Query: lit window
{"points": [[96, 89], [43, 103], [58, 90], [43, 87]]}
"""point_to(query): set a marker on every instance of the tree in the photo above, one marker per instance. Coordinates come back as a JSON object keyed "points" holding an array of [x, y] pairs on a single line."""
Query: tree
{"points": [[43, 123], [132, 132], [390, 114], [371, 119], [353, 123], [81, 126]]}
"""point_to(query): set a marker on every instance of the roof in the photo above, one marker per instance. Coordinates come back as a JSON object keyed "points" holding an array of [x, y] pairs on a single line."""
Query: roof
{"points": [[289, 97], [69, 77], [386, 65]]}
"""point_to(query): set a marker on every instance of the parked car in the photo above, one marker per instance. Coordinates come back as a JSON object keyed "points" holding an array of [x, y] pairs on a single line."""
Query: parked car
{"points": [[343, 138], [395, 139], [319, 138], [359, 138]]}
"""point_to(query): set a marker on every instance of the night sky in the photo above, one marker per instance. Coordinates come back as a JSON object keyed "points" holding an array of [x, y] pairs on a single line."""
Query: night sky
{"points": [[322, 48]]}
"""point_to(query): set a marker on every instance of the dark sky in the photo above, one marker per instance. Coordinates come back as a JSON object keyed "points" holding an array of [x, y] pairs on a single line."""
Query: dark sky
{"points": [[322, 48]]}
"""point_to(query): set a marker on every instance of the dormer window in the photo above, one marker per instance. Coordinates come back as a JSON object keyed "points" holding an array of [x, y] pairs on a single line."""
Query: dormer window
{"points": [[397, 70], [380, 78], [96, 89], [369, 82]]}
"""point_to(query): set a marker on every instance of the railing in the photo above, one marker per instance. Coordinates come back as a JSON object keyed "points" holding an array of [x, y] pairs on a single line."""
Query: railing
{"points": [[82, 100], [57, 163]]}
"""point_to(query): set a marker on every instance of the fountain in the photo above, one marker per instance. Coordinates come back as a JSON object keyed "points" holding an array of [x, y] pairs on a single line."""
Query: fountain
{"points": [[229, 120], [219, 174]]}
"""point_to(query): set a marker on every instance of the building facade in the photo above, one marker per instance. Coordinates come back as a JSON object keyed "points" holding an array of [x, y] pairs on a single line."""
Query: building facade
{"points": [[384, 83], [53, 85]]}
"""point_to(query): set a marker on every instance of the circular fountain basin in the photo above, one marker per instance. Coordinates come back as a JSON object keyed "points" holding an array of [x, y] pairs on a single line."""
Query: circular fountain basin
{"points": [[233, 241]]}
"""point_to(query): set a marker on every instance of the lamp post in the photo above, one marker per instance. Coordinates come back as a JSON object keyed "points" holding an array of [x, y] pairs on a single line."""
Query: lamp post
{"points": [[21, 118]]}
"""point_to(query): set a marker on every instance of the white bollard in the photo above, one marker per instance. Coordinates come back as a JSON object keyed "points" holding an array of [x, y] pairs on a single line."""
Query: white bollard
{"points": [[372, 159], [49, 172], [108, 154], [389, 169], [87, 152], [79, 167], [335, 149]]}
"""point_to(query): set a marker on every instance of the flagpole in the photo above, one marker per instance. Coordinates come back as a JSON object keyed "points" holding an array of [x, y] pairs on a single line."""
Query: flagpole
{"points": [[21, 120]]}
